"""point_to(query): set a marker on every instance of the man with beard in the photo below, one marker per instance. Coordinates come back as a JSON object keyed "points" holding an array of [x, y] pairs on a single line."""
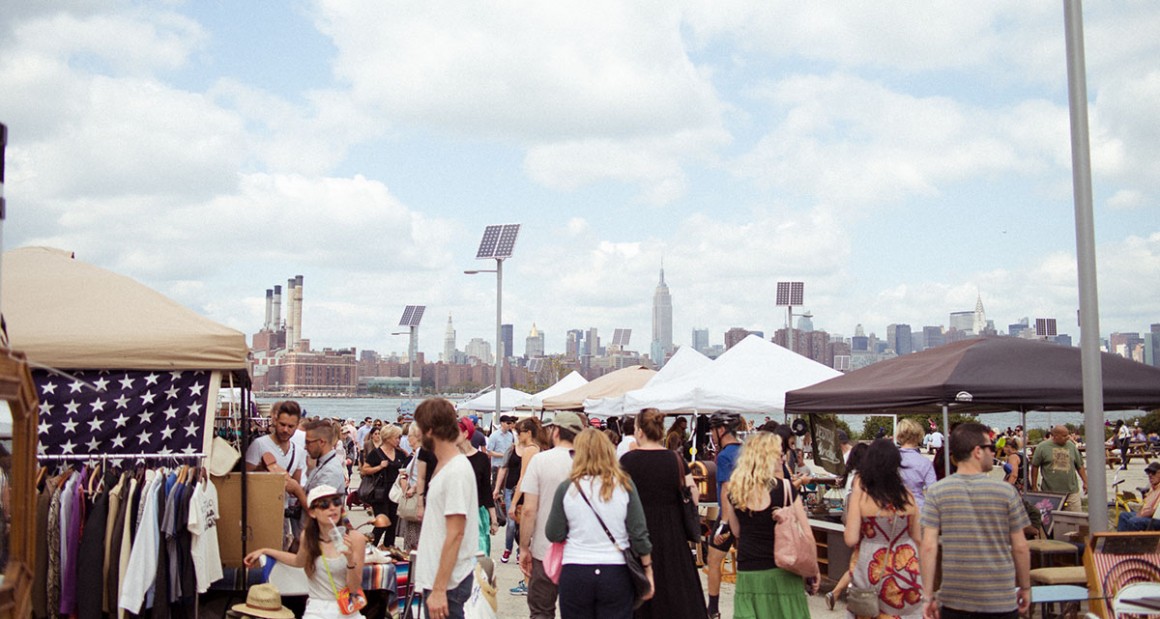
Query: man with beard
{"points": [[277, 453], [450, 532]]}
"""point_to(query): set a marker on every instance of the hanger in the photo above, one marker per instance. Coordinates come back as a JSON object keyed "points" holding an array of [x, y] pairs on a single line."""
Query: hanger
{"points": [[40, 473]]}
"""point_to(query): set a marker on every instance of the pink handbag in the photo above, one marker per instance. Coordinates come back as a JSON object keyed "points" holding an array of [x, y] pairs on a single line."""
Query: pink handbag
{"points": [[554, 562], [794, 548]]}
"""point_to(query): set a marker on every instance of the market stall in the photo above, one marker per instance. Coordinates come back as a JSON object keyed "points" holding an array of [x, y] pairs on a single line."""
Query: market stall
{"points": [[126, 380]]}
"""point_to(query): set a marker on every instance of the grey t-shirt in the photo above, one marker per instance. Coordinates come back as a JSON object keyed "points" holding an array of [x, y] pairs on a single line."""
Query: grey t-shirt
{"points": [[329, 472]]}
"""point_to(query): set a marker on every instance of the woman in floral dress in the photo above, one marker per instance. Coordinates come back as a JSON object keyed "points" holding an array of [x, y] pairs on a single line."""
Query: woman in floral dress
{"points": [[883, 523]]}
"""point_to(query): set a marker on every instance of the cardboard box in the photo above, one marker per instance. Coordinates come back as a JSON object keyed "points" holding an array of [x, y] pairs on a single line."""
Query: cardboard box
{"points": [[266, 498]]}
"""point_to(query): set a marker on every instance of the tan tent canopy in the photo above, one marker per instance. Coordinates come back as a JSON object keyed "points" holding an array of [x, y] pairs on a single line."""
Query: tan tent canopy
{"points": [[71, 315], [610, 385]]}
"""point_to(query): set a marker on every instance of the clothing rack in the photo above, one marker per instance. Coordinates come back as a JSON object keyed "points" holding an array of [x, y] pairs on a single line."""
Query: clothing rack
{"points": [[120, 456]]}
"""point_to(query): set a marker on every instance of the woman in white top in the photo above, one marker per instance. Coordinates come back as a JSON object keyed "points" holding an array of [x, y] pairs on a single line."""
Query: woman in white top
{"points": [[328, 568], [594, 581]]}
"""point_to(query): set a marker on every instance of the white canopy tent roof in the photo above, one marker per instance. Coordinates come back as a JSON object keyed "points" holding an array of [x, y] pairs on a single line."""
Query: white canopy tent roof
{"points": [[751, 377], [684, 361], [508, 399], [572, 381]]}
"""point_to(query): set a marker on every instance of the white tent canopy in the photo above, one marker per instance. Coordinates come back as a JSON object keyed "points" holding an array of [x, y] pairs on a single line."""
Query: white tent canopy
{"points": [[508, 399], [751, 377], [572, 381], [684, 361]]}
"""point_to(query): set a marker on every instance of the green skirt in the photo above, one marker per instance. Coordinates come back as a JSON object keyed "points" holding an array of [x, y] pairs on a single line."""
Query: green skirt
{"points": [[770, 593]]}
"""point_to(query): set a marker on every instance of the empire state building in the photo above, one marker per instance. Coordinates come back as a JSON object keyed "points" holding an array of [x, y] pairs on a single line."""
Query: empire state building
{"points": [[662, 322]]}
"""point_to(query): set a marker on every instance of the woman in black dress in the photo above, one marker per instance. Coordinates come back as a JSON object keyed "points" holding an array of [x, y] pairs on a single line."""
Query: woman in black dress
{"points": [[385, 461], [658, 475]]}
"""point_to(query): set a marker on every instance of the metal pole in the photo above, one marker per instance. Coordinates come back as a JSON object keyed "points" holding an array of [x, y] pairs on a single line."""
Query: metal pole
{"points": [[412, 344], [1081, 179], [946, 441], [498, 334], [789, 326], [3, 205]]}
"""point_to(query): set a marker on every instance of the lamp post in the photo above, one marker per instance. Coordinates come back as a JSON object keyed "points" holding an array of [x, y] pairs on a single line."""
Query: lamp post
{"points": [[412, 316], [497, 244], [790, 294]]}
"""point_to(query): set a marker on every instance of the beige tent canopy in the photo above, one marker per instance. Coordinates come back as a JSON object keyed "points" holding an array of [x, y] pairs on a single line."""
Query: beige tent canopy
{"points": [[608, 386], [68, 314]]}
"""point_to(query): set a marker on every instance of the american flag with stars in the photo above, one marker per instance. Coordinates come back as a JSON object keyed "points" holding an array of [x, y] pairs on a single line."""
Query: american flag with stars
{"points": [[117, 412]]}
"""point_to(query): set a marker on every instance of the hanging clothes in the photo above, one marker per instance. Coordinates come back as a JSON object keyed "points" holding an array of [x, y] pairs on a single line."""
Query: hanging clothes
{"points": [[113, 525], [202, 524], [40, 576], [90, 580], [53, 585], [142, 571]]}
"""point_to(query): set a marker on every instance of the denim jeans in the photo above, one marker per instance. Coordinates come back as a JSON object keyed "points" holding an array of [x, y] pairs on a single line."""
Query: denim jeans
{"points": [[596, 592], [1129, 521], [456, 598], [513, 528]]}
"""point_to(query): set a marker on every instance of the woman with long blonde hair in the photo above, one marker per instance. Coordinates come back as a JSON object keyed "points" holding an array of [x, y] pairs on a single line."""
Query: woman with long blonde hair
{"points": [[756, 488], [598, 512]]}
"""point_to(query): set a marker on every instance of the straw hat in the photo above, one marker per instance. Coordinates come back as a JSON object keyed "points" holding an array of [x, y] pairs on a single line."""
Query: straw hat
{"points": [[263, 601]]}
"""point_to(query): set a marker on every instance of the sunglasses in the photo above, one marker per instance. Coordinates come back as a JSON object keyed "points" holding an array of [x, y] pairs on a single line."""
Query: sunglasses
{"points": [[988, 446], [326, 503]]}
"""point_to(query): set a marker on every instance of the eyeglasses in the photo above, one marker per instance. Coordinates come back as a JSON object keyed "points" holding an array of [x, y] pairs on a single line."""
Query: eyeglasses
{"points": [[312, 440], [335, 501]]}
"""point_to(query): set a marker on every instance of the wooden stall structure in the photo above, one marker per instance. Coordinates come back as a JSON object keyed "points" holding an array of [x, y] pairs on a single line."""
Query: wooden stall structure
{"points": [[18, 396]]}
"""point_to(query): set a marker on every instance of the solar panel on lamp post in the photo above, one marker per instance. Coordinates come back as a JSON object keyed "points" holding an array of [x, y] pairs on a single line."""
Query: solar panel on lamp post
{"points": [[497, 244], [412, 316], [790, 294]]}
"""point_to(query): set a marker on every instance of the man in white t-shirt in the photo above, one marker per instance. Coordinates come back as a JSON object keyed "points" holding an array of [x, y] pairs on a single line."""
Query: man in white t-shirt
{"points": [[277, 452], [450, 533], [936, 441], [546, 471]]}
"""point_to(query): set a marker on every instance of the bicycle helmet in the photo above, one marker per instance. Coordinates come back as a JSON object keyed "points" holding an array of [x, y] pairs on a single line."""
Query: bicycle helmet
{"points": [[725, 419]]}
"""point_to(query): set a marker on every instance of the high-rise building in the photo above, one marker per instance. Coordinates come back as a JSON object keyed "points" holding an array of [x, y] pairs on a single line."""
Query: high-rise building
{"points": [[735, 335], [534, 345], [592, 343], [573, 347], [701, 340], [1123, 344], [449, 342], [662, 322], [859, 343], [479, 348], [805, 322], [506, 337], [898, 337], [963, 322], [979, 325], [1019, 329], [933, 337], [1152, 346]]}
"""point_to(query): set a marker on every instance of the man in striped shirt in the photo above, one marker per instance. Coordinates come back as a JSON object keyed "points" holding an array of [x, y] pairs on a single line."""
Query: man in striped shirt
{"points": [[985, 562]]}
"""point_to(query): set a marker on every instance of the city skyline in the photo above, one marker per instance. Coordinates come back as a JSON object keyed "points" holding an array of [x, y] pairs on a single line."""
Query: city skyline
{"points": [[897, 158]]}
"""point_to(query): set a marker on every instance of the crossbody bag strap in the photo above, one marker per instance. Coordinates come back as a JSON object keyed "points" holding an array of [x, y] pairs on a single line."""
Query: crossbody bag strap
{"points": [[598, 518]]}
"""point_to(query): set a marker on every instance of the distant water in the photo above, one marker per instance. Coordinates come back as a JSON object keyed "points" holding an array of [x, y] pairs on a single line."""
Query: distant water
{"points": [[386, 409]]}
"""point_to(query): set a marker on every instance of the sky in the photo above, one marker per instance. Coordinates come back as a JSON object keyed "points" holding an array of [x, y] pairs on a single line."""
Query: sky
{"points": [[899, 158]]}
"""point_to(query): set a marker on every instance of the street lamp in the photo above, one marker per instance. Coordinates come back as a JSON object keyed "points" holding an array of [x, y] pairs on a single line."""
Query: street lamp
{"points": [[790, 294], [412, 315], [497, 244]]}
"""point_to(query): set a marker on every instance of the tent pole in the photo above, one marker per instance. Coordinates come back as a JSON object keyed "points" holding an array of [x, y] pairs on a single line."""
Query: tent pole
{"points": [[946, 441], [1023, 449]]}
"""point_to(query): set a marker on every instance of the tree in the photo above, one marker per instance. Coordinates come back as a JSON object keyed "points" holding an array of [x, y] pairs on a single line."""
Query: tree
{"points": [[872, 425]]}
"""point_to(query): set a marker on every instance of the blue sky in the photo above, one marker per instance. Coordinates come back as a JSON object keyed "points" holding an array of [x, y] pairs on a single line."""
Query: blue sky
{"points": [[898, 158]]}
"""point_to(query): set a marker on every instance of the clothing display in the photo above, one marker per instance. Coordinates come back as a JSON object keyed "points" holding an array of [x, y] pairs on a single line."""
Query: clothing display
{"points": [[140, 542]]}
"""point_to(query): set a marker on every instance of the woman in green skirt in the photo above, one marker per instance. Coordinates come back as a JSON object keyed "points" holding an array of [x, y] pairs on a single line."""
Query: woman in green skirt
{"points": [[755, 490]]}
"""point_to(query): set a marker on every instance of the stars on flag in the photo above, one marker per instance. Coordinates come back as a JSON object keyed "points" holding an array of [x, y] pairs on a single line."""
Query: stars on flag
{"points": [[122, 412]]}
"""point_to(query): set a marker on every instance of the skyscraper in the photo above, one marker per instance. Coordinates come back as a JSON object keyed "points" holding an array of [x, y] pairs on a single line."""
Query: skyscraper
{"points": [[449, 342], [701, 340], [534, 345], [898, 337], [573, 348], [506, 338], [662, 322], [979, 325]]}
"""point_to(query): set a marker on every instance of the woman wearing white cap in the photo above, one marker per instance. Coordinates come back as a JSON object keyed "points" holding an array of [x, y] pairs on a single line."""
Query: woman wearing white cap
{"points": [[331, 568]]}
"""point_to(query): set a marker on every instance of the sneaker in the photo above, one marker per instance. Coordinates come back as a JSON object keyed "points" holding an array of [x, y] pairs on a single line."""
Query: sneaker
{"points": [[520, 589], [506, 555]]}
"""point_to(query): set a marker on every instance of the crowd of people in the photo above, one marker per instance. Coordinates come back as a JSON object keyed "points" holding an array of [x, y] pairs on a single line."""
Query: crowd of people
{"points": [[584, 504]]}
